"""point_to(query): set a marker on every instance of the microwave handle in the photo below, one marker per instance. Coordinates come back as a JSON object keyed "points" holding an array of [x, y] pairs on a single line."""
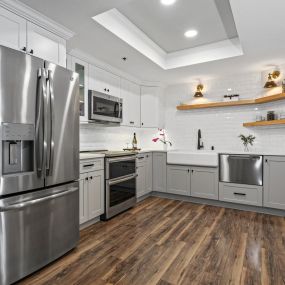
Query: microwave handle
{"points": [[120, 110]]}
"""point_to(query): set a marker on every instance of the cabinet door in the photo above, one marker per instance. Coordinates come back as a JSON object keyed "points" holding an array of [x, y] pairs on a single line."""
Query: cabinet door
{"points": [[97, 79], [204, 183], [12, 30], [178, 180], [274, 181], [81, 68], [159, 172], [46, 45], [148, 172], [83, 198], [130, 92], [114, 85], [149, 107], [96, 193], [141, 180]]}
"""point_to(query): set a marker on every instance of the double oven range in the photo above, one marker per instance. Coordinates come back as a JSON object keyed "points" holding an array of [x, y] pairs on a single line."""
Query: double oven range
{"points": [[120, 182]]}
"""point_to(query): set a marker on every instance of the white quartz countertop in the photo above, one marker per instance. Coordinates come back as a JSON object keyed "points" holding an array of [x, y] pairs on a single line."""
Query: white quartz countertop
{"points": [[151, 150]]}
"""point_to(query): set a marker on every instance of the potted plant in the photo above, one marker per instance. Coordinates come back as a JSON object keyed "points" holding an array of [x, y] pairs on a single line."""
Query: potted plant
{"points": [[246, 140]]}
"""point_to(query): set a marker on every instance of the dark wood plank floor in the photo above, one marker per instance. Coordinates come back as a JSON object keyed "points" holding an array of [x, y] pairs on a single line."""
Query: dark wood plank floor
{"points": [[164, 242]]}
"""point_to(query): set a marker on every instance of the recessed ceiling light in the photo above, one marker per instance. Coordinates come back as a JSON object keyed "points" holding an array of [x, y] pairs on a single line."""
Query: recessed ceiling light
{"points": [[191, 34], [167, 2]]}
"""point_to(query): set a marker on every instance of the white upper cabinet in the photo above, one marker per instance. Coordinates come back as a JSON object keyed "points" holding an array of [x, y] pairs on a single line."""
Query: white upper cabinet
{"points": [[114, 85], [130, 92], [45, 45], [103, 81], [150, 117], [12, 30]]}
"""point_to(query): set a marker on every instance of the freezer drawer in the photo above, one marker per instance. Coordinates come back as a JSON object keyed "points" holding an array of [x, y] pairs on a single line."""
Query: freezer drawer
{"points": [[241, 169], [36, 229]]}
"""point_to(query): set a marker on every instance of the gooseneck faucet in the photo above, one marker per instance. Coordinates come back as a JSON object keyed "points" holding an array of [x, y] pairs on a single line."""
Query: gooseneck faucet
{"points": [[200, 143]]}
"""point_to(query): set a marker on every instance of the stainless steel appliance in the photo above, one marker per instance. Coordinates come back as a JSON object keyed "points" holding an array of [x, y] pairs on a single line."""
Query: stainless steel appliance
{"points": [[241, 169], [104, 108], [39, 163], [120, 183]]}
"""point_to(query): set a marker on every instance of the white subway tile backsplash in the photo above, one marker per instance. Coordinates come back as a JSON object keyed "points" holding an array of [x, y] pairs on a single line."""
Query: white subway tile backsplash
{"points": [[115, 138], [222, 126]]}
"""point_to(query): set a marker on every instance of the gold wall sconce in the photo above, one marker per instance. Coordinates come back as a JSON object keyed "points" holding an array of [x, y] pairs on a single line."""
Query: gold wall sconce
{"points": [[198, 93], [270, 83]]}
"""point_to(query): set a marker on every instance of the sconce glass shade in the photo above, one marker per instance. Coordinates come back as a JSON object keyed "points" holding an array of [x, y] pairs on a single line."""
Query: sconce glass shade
{"points": [[198, 93]]}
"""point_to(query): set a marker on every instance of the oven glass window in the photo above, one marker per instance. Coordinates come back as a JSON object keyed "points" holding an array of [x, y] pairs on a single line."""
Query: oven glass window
{"points": [[122, 168], [122, 192], [104, 107]]}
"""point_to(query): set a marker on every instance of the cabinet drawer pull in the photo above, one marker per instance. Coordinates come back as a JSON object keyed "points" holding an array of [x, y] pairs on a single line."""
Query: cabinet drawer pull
{"points": [[132, 122], [141, 157], [88, 165], [239, 194]]}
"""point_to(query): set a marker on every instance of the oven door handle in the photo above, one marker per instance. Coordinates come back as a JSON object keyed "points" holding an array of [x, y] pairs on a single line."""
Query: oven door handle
{"points": [[120, 180], [111, 160]]}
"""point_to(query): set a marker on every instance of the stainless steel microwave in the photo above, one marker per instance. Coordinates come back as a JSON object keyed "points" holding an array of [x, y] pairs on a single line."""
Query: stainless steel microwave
{"points": [[104, 108]]}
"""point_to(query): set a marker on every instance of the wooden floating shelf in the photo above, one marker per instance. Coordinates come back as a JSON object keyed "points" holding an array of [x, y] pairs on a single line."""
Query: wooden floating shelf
{"points": [[260, 100], [264, 123]]}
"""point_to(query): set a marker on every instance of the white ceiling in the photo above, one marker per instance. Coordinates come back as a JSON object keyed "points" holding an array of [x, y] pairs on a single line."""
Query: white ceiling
{"points": [[262, 38], [166, 25]]}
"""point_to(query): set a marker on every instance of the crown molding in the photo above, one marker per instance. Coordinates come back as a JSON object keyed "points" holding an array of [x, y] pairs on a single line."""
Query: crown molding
{"points": [[37, 18], [95, 61]]}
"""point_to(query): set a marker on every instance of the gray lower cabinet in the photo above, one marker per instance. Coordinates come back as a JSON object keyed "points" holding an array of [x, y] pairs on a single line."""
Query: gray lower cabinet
{"points": [[149, 172], [204, 183], [159, 171], [144, 171], [141, 180], [240, 193], [178, 180], [274, 182], [83, 198], [91, 192]]}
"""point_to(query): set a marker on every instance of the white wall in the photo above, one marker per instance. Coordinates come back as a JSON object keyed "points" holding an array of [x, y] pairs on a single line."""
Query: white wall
{"points": [[221, 126]]}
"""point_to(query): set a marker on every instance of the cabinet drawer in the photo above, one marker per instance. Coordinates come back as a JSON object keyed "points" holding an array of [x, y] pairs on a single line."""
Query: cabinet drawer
{"points": [[92, 165], [241, 194], [141, 159]]}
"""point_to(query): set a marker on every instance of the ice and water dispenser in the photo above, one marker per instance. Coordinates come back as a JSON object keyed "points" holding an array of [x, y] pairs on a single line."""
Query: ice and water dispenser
{"points": [[17, 148]]}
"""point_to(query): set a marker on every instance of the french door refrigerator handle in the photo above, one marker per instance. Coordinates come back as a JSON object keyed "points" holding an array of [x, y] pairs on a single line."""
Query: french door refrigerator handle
{"points": [[50, 138], [40, 122], [32, 202]]}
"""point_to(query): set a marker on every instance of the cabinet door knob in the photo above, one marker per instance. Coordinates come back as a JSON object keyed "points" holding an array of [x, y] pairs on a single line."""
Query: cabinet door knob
{"points": [[86, 178], [266, 160], [91, 177], [108, 90], [105, 89], [142, 124], [31, 51], [24, 49]]}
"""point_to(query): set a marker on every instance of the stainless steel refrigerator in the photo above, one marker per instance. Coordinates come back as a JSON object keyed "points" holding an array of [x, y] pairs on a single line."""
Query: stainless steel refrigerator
{"points": [[39, 163]]}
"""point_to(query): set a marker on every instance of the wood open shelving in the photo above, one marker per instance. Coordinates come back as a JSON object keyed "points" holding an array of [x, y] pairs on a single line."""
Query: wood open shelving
{"points": [[260, 100], [264, 123]]}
